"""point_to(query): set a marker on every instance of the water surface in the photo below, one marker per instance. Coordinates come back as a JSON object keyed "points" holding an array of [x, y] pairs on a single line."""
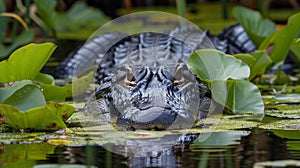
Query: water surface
{"points": [[231, 149]]}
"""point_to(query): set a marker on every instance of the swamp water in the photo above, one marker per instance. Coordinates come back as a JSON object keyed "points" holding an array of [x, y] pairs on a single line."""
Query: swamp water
{"points": [[235, 142], [247, 147]]}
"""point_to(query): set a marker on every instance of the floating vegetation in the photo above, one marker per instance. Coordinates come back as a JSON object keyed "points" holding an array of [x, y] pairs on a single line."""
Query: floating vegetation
{"points": [[277, 163], [27, 95]]}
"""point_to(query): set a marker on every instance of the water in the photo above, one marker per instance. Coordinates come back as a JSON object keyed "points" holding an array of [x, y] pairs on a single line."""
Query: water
{"points": [[233, 149]]}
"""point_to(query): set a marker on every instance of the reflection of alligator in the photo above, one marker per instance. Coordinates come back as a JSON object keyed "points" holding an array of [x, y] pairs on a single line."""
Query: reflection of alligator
{"points": [[144, 82]]}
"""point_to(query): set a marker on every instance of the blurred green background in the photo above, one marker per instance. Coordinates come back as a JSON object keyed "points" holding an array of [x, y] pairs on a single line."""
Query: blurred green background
{"points": [[69, 23]]}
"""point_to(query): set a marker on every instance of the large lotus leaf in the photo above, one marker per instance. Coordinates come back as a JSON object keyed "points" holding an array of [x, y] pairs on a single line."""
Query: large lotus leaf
{"points": [[258, 62], [211, 65], [25, 62], [23, 95], [51, 116], [295, 50], [280, 42], [16, 42], [256, 27], [243, 97], [56, 93]]}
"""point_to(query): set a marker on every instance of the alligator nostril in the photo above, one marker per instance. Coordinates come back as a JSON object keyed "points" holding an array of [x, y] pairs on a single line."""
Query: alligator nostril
{"points": [[131, 128], [160, 127]]}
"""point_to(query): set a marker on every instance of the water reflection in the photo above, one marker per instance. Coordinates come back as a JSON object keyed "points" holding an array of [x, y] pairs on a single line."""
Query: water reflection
{"points": [[24, 155], [231, 149]]}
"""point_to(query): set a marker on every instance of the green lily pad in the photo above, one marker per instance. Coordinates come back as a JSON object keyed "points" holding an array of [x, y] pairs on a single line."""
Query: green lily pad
{"points": [[258, 62], [288, 134], [243, 97], [56, 93], [293, 146], [27, 97], [25, 62], [226, 76], [82, 84], [211, 65], [221, 139], [256, 27], [50, 90], [51, 116], [8, 89], [272, 123], [287, 98], [281, 41], [247, 58], [283, 111], [295, 50], [44, 78], [267, 89], [22, 94]]}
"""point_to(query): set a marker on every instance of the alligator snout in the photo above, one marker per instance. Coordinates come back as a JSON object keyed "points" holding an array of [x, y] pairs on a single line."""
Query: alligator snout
{"points": [[157, 100], [157, 118]]}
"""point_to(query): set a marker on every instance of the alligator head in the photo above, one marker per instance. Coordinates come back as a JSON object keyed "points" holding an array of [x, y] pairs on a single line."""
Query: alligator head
{"points": [[148, 85], [152, 97]]}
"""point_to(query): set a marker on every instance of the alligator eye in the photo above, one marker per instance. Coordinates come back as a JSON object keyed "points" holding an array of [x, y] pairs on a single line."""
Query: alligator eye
{"points": [[132, 83], [175, 82], [130, 79], [178, 82]]}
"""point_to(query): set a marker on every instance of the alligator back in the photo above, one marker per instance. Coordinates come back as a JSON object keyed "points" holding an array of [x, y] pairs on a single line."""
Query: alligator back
{"points": [[143, 80], [151, 49], [117, 45]]}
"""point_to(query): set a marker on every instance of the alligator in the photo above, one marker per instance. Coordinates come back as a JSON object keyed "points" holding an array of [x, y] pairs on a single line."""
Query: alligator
{"points": [[143, 80]]}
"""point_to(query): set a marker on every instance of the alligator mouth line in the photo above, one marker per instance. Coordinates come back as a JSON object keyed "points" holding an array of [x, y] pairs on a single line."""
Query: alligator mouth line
{"points": [[152, 118]]}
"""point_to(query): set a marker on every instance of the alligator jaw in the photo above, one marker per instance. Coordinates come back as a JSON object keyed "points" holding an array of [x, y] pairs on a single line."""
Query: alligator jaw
{"points": [[154, 118], [157, 118]]}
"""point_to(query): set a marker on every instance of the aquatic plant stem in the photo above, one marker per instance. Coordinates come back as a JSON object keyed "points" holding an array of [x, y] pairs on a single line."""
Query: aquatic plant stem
{"points": [[181, 8], [17, 17]]}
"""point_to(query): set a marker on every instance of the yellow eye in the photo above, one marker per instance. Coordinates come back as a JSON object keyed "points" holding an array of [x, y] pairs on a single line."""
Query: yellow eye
{"points": [[130, 79], [175, 82], [131, 83]]}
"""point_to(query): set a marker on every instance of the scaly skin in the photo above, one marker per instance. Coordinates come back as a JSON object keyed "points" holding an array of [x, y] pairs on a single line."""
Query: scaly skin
{"points": [[144, 82]]}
